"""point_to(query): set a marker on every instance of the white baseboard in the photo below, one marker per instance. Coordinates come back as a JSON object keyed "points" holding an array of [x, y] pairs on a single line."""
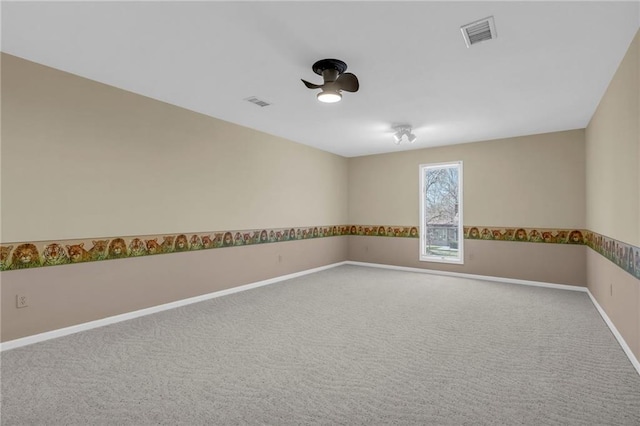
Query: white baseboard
{"points": [[470, 276], [41, 337], [616, 333]]}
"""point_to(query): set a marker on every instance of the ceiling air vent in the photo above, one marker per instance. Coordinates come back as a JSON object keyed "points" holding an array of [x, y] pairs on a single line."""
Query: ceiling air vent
{"points": [[479, 31], [257, 101]]}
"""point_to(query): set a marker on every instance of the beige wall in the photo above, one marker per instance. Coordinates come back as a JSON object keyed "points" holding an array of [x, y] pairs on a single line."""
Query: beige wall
{"points": [[618, 293], [81, 159], [530, 181], [67, 295], [613, 155], [551, 263], [613, 193]]}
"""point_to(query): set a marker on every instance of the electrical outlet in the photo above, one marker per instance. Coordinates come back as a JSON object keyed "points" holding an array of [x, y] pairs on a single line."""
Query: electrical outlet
{"points": [[21, 301]]}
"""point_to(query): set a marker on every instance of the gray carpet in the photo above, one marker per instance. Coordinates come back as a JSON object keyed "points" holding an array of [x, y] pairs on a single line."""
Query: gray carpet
{"points": [[349, 345]]}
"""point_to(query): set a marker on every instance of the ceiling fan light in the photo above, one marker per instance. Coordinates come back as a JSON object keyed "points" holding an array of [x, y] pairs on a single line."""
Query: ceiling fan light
{"points": [[329, 96]]}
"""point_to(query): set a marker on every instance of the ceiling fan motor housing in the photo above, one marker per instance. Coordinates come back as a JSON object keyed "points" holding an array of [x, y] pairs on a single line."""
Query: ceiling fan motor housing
{"points": [[329, 64]]}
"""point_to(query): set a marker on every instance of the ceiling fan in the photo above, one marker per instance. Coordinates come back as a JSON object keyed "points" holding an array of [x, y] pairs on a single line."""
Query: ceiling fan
{"points": [[335, 80]]}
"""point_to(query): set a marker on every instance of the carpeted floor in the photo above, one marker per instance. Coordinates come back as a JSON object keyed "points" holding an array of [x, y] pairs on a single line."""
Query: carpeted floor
{"points": [[349, 345]]}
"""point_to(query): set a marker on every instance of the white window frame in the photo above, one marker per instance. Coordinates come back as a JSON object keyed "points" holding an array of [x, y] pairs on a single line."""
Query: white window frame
{"points": [[423, 254]]}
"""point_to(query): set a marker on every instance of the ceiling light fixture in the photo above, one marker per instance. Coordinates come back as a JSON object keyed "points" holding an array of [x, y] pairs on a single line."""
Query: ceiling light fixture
{"points": [[329, 96], [402, 130]]}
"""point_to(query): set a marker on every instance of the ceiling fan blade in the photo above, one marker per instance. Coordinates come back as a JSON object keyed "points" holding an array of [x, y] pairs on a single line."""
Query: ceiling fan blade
{"points": [[348, 82], [311, 85]]}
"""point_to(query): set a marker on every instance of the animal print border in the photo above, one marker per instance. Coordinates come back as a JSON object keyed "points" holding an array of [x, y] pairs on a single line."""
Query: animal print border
{"points": [[384, 231], [532, 235], [622, 254], [16, 256]]}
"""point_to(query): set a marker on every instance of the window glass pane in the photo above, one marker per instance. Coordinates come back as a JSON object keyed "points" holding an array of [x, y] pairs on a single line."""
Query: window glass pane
{"points": [[441, 221]]}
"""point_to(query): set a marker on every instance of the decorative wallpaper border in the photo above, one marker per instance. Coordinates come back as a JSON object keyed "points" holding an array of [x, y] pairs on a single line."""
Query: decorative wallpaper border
{"points": [[25, 255], [384, 231], [532, 235], [16, 256], [622, 254]]}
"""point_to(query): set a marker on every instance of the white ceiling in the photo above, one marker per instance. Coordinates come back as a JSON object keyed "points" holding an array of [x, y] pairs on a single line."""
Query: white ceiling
{"points": [[546, 71]]}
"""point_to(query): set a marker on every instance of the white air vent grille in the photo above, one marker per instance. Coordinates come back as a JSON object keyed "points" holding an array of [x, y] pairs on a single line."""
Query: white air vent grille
{"points": [[257, 101], [479, 31]]}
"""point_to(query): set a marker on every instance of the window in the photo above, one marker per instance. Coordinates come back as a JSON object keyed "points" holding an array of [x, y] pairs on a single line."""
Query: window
{"points": [[441, 236]]}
